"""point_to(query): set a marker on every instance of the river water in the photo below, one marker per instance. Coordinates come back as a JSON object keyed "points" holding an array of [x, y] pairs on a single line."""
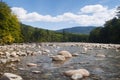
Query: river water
{"points": [[100, 68]]}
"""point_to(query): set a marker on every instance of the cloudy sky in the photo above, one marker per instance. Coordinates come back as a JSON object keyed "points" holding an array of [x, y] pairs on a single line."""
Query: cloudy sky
{"points": [[58, 14]]}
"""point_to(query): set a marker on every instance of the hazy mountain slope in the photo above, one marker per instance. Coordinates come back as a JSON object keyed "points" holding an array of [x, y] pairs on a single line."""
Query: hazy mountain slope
{"points": [[78, 29]]}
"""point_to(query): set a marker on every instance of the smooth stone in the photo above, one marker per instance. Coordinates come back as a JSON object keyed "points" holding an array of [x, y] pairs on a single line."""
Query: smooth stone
{"points": [[83, 72], [11, 76], [58, 58], [22, 69], [1, 53], [4, 61], [100, 55], [66, 54], [13, 54], [76, 76], [14, 60], [75, 54], [36, 72], [85, 49], [31, 65]]}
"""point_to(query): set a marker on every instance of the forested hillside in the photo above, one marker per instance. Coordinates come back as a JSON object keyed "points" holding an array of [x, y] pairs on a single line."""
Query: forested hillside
{"points": [[78, 29], [31, 34]]}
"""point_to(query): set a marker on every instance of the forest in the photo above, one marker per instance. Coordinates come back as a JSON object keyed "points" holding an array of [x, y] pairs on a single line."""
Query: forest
{"points": [[13, 31]]}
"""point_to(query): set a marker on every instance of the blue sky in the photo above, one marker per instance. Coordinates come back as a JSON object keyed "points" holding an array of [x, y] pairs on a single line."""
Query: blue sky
{"points": [[58, 14]]}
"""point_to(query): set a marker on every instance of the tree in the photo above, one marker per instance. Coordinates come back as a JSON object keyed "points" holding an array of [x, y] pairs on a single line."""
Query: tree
{"points": [[9, 25], [95, 35], [118, 12]]}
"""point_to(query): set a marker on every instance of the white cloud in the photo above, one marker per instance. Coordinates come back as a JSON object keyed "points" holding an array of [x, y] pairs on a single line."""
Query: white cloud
{"points": [[95, 15], [93, 8]]}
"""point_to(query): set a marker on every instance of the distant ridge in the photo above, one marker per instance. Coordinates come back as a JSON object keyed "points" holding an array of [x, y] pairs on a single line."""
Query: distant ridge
{"points": [[78, 29]]}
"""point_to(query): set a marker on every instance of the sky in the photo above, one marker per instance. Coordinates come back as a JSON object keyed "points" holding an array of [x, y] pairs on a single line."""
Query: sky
{"points": [[59, 14]]}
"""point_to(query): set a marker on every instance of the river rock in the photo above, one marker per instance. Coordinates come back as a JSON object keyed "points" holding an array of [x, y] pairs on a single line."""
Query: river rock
{"points": [[36, 72], [14, 60], [76, 76], [83, 72], [31, 65], [3, 61], [58, 58], [11, 76], [84, 50], [1, 53], [66, 54], [13, 54], [75, 54], [100, 55]]}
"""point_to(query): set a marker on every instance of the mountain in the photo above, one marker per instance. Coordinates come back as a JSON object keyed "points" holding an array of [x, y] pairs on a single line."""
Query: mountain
{"points": [[78, 29]]}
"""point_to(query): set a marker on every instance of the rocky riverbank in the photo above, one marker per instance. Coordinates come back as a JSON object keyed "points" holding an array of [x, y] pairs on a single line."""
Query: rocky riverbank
{"points": [[39, 56]]}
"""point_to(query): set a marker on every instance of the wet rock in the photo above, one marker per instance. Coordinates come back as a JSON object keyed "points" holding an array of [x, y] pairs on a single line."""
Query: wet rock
{"points": [[14, 60], [3, 61], [11, 76], [66, 54], [33, 54], [31, 65], [83, 72], [76, 76], [21, 69], [46, 50], [84, 50], [75, 54], [58, 58], [13, 54], [100, 55], [7, 54], [23, 54], [36, 72], [1, 53]]}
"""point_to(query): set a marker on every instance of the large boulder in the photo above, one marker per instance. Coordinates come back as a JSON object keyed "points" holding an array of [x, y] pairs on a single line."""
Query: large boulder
{"points": [[58, 58], [83, 72], [11, 76], [66, 54]]}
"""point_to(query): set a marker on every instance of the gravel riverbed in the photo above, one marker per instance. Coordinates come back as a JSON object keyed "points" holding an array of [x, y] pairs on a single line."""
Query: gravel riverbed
{"points": [[33, 61]]}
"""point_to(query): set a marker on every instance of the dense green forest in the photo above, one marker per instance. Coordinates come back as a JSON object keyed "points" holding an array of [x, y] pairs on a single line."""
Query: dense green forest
{"points": [[13, 31], [31, 34]]}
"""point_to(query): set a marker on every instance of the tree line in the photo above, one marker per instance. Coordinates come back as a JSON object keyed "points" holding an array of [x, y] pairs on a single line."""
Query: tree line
{"points": [[31, 34]]}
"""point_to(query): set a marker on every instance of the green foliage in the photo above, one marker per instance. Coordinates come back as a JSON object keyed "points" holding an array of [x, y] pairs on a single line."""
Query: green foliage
{"points": [[95, 35], [108, 34], [31, 34], [7, 38], [9, 25]]}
